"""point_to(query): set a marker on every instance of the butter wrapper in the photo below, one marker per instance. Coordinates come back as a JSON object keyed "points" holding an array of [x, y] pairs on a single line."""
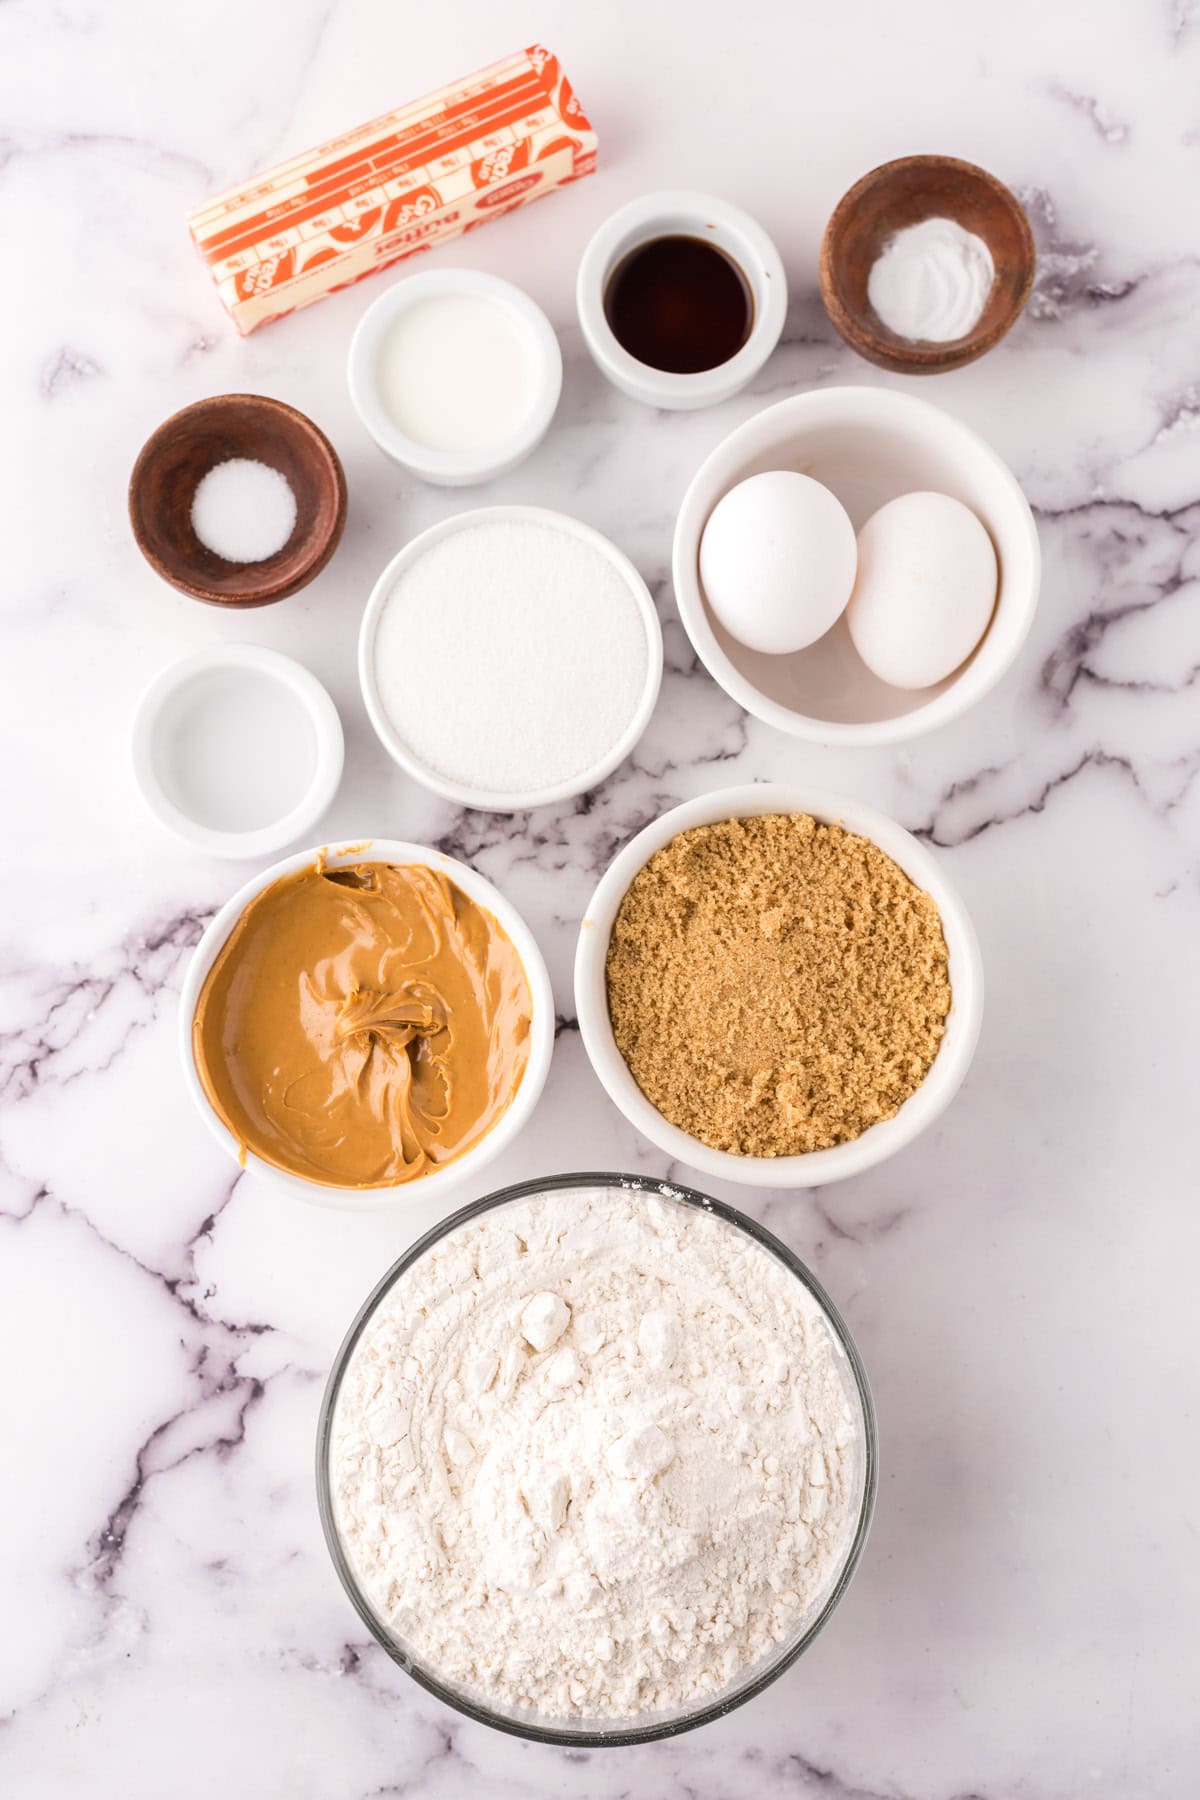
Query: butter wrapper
{"points": [[445, 164]]}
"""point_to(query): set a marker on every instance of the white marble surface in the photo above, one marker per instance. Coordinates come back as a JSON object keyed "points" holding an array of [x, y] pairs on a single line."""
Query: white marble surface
{"points": [[1021, 1282]]}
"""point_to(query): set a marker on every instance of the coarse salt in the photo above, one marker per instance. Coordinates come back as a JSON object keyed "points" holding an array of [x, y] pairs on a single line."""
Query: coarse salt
{"points": [[243, 510]]}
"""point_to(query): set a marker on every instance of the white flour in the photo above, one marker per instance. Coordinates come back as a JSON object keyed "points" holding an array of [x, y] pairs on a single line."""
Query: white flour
{"points": [[511, 657], [595, 1455]]}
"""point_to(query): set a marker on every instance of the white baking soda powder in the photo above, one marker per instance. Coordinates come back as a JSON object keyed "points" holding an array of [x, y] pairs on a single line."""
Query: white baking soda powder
{"points": [[511, 657], [596, 1454], [457, 373], [931, 282]]}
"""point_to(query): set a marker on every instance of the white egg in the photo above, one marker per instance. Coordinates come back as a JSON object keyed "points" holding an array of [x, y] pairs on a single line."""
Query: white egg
{"points": [[777, 561], [926, 589]]}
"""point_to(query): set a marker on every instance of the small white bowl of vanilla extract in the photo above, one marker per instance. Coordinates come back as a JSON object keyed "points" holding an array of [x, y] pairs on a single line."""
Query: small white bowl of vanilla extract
{"points": [[681, 299]]}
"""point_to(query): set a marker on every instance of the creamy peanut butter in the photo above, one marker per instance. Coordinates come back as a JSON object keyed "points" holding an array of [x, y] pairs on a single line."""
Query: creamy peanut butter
{"points": [[363, 1025]]}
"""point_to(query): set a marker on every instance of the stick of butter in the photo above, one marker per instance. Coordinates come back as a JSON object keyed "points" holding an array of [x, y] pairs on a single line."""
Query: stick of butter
{"points": [[444, 164]]}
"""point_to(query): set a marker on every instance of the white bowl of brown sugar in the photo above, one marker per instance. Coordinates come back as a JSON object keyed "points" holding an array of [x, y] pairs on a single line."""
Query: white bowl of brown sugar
{"points": [[778, 985]]}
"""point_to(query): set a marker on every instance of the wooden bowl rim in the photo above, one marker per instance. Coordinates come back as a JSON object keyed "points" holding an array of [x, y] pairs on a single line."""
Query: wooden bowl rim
{"points": [[323, 545], [933, 359]]}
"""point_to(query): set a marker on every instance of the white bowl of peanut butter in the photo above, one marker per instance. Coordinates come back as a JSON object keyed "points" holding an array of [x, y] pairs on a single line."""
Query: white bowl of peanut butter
{"points": [[365, 1021]]}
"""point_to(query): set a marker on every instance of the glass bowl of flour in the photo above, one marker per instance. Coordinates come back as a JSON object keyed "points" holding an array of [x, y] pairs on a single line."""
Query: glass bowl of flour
{"points": [[596, 1460]]}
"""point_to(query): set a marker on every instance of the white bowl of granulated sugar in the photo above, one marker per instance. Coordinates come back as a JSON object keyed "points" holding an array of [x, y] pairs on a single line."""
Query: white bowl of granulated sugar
{"points": [[510, 657]]}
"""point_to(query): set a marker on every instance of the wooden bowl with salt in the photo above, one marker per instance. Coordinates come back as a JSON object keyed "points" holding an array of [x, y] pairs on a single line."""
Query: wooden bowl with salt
{"points": [[903, 193], [177, 457]]}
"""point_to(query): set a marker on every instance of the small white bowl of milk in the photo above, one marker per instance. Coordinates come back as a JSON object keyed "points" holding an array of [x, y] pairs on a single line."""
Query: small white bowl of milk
{"points": [[455, 374]]}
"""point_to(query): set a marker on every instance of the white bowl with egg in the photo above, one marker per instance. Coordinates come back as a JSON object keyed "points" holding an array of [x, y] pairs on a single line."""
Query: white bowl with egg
{"points": [[237, 750], [815, 1168], [452, 1177], [868, 446], [455, 374]]}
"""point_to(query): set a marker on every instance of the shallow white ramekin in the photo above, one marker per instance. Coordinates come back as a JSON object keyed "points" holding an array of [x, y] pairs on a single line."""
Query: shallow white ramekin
{"points": [[680, 213], [204, 674], [868, 445], [817, 1167], [455, 468], [454, 1176]]}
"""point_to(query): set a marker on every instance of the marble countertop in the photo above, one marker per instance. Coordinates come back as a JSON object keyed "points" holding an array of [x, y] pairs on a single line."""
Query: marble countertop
{"points": [[1019, 1282]]}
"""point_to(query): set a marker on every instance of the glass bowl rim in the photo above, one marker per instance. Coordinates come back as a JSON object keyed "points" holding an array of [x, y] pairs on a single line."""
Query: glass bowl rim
{"points": [[623, 1734]]}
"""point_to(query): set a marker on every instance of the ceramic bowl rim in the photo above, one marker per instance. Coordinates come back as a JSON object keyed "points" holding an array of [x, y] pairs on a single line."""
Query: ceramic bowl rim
{"points": [[483, 799], [454, 1175], [814, 1168], [319, 709], [851, 406]]}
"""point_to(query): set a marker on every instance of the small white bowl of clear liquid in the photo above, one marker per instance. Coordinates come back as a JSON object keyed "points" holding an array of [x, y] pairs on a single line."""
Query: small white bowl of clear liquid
{"points": [[237, 750]]}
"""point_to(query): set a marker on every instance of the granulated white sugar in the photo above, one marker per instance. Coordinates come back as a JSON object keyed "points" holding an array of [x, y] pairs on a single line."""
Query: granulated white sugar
{"points": [[243, 510], [597, 1453], [511, 657]]}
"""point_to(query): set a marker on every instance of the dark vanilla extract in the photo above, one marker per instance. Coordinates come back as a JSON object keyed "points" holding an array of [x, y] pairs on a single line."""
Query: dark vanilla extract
{"points": [[679, 304]]}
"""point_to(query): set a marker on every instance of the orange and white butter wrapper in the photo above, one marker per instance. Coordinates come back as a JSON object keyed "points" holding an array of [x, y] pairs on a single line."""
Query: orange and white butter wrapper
{"points": [[444, 164]]}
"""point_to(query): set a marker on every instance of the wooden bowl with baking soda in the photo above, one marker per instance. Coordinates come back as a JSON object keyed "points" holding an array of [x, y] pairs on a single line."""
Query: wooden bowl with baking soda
{"points": [[868, 222], [238, 500]]}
